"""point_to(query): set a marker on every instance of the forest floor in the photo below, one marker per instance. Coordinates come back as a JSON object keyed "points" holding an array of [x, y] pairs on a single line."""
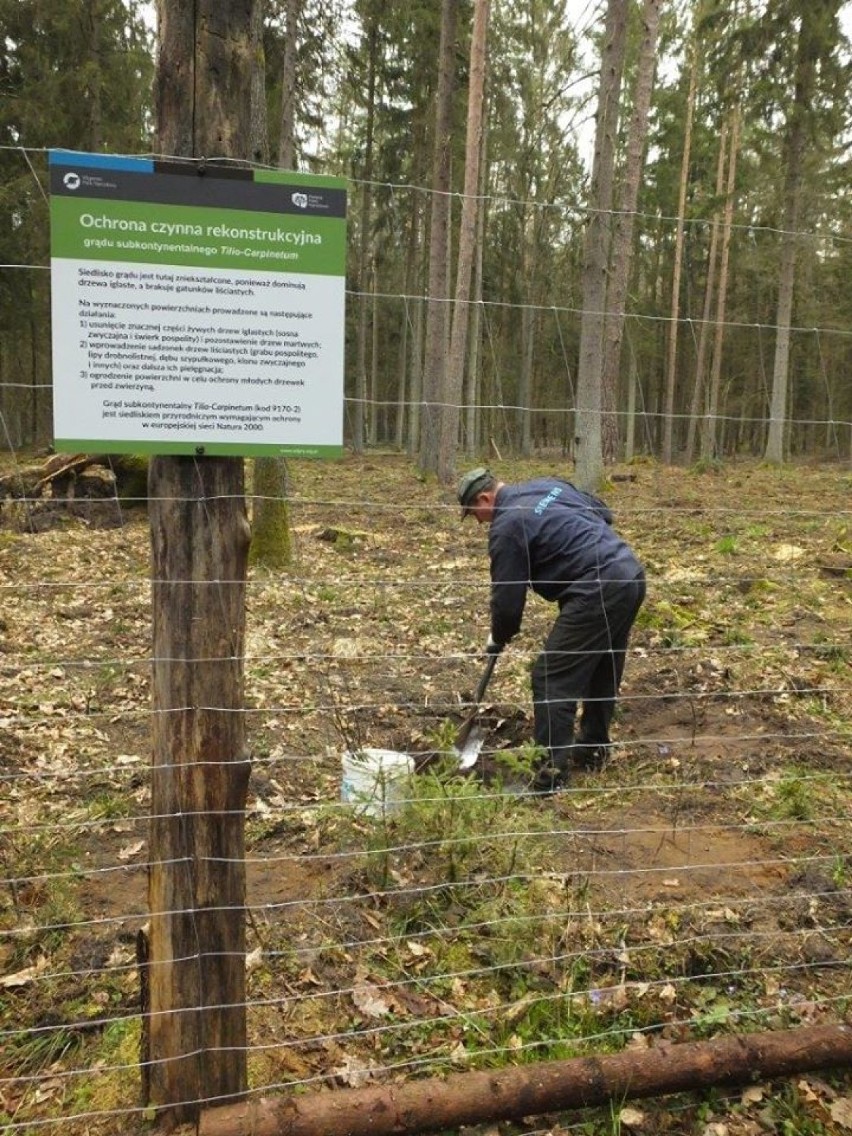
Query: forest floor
{"points": [[699, 884]]}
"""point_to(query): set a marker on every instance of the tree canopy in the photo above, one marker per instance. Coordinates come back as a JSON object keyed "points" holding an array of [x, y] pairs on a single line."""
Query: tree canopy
{"points": [[706, 241]]}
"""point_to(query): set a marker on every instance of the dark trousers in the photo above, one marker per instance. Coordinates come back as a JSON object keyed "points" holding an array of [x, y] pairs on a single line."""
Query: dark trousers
{"points": [[583, 661]]}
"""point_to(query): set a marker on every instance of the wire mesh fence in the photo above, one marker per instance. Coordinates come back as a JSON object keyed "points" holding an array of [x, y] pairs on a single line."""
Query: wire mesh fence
{"points": [[448, 919], [698, 884]]}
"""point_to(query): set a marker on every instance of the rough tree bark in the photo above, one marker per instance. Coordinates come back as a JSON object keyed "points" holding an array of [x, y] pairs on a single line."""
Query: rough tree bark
{"points": [[709, 429], [622, 245], [709, 292], [271, 543], [359, 410], [467, 233], [259, 117], [472, 395], [674, 325], [807, 55], [437, 306], [588, 435], [287, 137], [196, 1023], [437, 1104]]}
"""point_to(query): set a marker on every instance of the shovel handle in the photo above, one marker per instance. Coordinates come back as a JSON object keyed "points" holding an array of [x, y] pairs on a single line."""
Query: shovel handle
{"points": [[486, 678], [464, 730]]}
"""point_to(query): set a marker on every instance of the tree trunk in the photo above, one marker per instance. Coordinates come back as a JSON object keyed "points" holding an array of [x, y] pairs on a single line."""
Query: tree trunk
{"points": [[374, 400], [92, 15], [271, 539], [622, 250], [467, 235], [417, 312], [366, 221], [199, 546], [784, 311], [442, 1104], [630, 431], [33, 353], [259, 118], [525, 382], [674, 325], [709, 438], [271, 544], [709, 290], [807, 56], [416, 385], [589, 438], [439, 269], [473, 393], [405, 397], [287, 137]]}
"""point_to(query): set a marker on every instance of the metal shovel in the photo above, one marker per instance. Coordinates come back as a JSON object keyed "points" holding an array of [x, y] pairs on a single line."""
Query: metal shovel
{"points": [[469, 740]]}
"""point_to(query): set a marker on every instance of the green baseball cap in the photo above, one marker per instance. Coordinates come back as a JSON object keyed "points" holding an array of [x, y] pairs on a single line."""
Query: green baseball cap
{"points": [[470, 484]]}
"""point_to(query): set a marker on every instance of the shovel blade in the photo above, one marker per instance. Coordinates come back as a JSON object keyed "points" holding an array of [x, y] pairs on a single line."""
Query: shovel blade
{"points": [[472, 748]]}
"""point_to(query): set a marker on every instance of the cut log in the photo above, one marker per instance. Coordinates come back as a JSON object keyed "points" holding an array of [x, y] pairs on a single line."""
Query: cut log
{"points": [[127, 474], [59, 464], [437, 1104]]}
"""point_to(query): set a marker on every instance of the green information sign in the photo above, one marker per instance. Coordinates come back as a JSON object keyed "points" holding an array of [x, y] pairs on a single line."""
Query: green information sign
{"points": [[196, 309]]}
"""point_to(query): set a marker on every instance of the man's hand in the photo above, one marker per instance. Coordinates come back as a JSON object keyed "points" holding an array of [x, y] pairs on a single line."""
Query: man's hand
{"points": [[492, 647]]}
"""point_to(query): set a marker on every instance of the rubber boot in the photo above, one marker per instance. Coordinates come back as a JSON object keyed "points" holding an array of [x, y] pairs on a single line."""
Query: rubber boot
{"points": [[553, 774], [590, 756]]}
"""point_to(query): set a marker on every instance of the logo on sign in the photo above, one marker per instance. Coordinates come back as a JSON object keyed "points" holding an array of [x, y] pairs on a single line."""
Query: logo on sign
{"points": [[71, 181], [300, 200]]}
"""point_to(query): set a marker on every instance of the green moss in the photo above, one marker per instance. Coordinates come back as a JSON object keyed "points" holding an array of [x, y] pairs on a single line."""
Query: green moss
{"points": [[271, 545]]}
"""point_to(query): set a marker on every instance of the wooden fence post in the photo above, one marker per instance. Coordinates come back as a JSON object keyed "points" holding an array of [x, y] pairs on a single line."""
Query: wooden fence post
{"points": [[196, 1017]]}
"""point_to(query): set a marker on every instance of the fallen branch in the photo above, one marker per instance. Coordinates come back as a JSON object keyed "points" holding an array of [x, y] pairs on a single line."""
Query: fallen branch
{"points": [[438, 1104]]}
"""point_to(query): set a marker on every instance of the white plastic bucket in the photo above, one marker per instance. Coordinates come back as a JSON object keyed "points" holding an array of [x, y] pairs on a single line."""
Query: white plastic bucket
{"points": [[374, 780]]}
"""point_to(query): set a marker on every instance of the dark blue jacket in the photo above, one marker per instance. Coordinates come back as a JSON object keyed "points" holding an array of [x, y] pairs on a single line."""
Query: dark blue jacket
{"points": [[550, 536]]}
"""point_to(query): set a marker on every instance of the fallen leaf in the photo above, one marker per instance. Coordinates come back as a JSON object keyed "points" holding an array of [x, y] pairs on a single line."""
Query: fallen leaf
{"points": [[632, 1117], [130, 850], [120, 956], [753, 1094], [787, 552], [352, 1072], [22, 977], [458, 1054], [614, 997], [517, 1010], [368, 999], [841, 1111], [823, 1090]]}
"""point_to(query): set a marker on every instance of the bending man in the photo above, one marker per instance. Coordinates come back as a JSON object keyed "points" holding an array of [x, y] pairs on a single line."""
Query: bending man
{"points": [[549, 536]]}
